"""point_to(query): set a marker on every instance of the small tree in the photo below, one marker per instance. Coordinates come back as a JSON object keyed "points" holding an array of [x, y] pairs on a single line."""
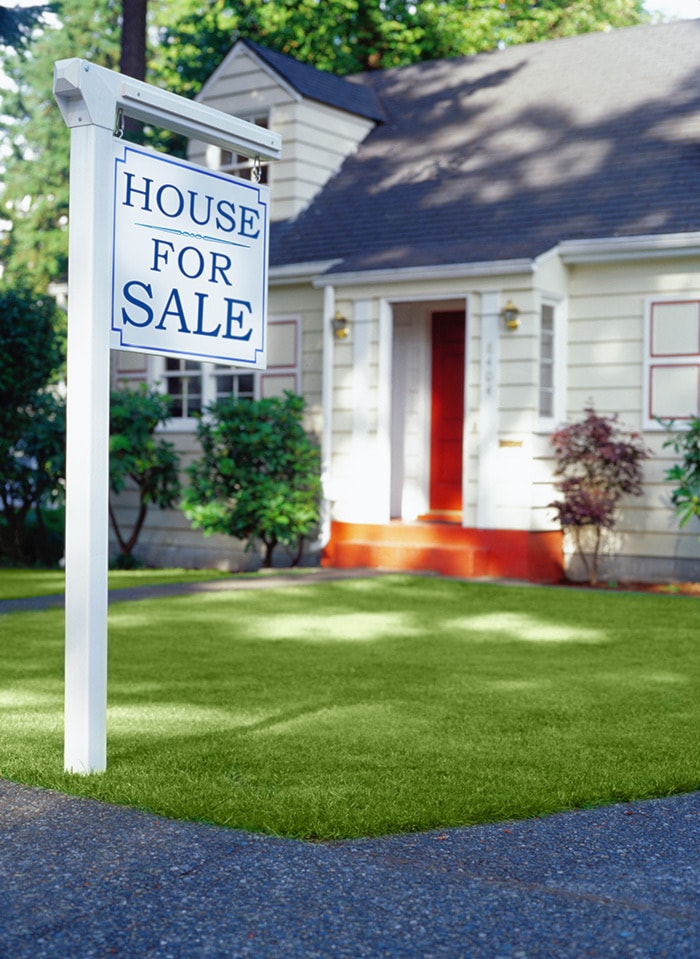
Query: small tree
{"points": [[686, 474], [259, 475], [32, 423], [598, 464], [136, 454], [33, 471], [31, 354]]}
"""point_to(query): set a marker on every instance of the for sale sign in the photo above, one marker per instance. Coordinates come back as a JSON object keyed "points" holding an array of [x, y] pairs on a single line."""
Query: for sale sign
{"points": [[189, 268]]}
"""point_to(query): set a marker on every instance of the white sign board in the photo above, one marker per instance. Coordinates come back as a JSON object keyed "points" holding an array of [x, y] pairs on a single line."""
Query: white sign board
{"points": [[189, 264]]}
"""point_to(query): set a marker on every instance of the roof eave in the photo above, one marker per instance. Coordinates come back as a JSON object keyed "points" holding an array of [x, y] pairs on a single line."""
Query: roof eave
{"points": [[444, 271], [299, 272], [617, 248], [597, 250]]}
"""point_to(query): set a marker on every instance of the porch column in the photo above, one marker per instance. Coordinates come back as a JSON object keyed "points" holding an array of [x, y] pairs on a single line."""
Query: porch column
{"points": [[371, 494], [489, 360], [384, 376]]}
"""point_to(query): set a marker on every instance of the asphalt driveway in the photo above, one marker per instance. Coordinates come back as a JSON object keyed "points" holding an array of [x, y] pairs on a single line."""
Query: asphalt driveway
{"points": [[80, 879]]}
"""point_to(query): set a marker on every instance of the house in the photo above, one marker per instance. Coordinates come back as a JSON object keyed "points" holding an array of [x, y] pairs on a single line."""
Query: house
{"points": [[464, 254]]}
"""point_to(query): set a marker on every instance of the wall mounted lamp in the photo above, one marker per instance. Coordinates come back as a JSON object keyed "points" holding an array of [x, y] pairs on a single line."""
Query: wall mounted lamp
{"points": [[511, 314], [341, 326]]}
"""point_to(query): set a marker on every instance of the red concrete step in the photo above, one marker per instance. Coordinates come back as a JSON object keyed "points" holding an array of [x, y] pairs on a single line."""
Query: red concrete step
{"points": [[447, 560], [448, 549]]}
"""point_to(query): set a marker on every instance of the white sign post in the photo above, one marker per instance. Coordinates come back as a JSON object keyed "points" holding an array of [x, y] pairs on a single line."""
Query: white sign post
{"points": [[182, 283]]}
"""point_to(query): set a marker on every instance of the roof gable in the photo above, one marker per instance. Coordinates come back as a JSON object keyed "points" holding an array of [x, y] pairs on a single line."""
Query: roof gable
{"points": [[503, 155], [344, 94]]}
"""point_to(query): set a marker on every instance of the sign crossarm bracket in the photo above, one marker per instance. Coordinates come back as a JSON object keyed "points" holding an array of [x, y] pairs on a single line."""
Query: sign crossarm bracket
{"points": [[90, 94]]}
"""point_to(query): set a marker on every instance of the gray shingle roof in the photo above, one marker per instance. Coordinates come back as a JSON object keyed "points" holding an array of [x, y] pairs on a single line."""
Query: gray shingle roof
{"points": [[322, 86], [502, 155]]}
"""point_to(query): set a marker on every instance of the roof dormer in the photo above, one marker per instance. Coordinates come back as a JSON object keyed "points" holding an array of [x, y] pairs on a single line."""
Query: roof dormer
{"points": [[321, 118]]}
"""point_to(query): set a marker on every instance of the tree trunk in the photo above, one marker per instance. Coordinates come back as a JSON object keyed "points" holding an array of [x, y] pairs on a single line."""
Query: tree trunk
{"points": [[269, 547], [126, 545], [132, 62], [590, 570], [133, 50], [296, 559], [117, 531]]}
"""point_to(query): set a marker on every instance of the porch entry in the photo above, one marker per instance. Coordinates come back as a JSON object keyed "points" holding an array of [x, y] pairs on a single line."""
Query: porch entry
{"points": [[425, 531], [428, 411]]}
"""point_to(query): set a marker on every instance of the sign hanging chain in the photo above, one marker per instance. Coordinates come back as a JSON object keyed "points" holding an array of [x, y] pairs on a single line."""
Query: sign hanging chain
{"points": [[119, 124], [257, 170]]}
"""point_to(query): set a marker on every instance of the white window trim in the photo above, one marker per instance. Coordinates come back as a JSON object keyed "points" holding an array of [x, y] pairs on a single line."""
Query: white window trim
{"points": [[188, 424], [648, 422], [546, 424], [239, 166], [276, 370]]}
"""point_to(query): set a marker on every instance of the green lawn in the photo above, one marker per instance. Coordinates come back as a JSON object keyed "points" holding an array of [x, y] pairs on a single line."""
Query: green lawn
{"points": [[26, 583], [371, 706]]}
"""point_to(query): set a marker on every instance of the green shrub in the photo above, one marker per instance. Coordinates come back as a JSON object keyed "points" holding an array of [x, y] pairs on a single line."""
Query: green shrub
{"points": [[597, 464], [42, 539], [259, 474], [686, 474], [136, 454], [32, 417]]}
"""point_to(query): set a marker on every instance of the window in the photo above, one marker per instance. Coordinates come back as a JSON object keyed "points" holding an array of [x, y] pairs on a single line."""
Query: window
{"points": [[229, 381], [235, 164], [672, 374], [551, 383], [546, 400], [182, 380], [193, 386]]}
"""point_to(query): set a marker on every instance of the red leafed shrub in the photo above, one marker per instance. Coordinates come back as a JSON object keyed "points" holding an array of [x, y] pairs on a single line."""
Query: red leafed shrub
{"points": [[597, 464]]}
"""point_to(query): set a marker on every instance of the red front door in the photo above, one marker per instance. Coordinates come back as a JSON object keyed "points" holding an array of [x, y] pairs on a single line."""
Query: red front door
{"points": [[447, 417]]}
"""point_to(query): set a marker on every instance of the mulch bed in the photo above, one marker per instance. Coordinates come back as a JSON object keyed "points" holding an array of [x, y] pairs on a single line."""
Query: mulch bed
{"points": [[612, 586]]}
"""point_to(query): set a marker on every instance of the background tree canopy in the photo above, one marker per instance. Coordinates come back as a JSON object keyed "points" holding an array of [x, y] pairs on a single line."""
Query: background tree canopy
{"points": [[17, 23], [349, 36], [187, 39], [35, 197]]}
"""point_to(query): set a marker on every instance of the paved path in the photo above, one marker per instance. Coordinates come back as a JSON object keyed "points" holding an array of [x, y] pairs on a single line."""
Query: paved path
{"points": [[83, 879], [163, 590]]}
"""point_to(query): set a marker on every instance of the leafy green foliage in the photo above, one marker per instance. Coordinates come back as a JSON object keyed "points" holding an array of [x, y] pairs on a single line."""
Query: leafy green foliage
{"points": [[32, 469], [598, 464], [17, 23], [35, 196], [31, 354], [350, 36], [136, 454], [686, 474], [259, 475], [32, 416]]}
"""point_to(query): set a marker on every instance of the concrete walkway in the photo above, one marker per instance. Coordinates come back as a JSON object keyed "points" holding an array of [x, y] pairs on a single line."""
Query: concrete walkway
{"points": [[271, 580], [80, 879]]}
